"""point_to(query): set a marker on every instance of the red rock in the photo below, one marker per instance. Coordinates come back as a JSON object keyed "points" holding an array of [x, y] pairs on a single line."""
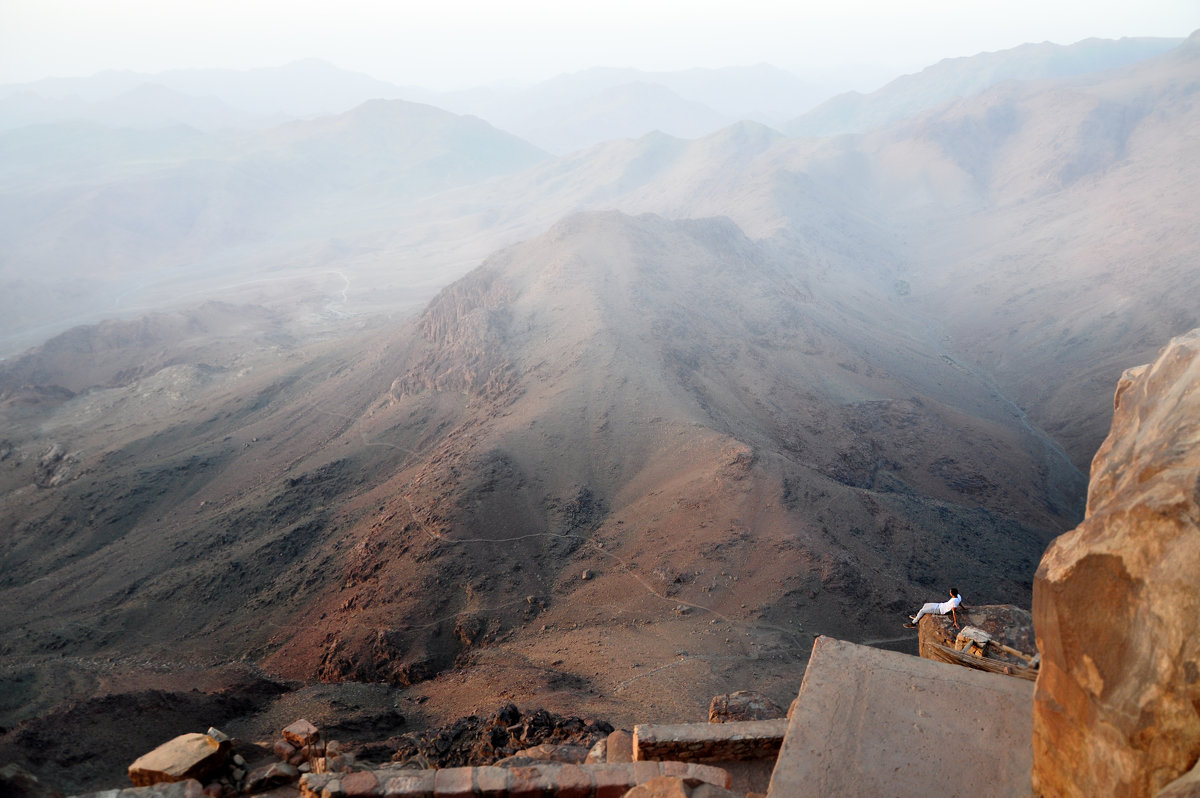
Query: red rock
{"points": [[1116, 600], [301, 733], [284, 750]]}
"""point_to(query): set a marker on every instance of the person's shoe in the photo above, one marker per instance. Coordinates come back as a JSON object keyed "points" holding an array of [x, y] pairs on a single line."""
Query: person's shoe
{"points": [[910, 625], [912, 618]]}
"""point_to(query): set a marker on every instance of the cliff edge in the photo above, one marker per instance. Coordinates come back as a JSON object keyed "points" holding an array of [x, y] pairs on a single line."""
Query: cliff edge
{"points": [[1116, 601]]}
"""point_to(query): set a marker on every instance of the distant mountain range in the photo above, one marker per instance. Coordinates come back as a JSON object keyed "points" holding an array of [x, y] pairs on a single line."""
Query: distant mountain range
{"points": [[479, 421], [953, 78]]}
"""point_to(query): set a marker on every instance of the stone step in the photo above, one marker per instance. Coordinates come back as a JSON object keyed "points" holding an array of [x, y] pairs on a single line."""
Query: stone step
{"points": [[738, 741], [563, 781]]}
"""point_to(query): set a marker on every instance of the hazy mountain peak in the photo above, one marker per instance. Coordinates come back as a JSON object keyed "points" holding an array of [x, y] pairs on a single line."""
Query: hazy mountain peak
{"points": [[965, 76]]}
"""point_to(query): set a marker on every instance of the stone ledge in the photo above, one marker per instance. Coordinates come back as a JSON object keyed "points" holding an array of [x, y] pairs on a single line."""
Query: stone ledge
{"points": [[737, 741], [564, 781], [875, 722]]}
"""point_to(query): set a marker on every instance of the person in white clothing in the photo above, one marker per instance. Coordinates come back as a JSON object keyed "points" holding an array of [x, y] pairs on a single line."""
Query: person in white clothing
{"points": [[939, 608]]}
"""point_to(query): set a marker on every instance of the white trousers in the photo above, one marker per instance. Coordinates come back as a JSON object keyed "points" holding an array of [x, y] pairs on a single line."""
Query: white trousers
{"points": [[932, 608]]}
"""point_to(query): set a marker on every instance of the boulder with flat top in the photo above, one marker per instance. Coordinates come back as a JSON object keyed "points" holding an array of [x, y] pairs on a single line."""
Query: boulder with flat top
{"points": [[188, 756]]}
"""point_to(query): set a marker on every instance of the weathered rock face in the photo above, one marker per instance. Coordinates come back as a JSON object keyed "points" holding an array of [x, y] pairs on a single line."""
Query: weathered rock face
{"points": [[1116, 601], [743, 705], [1007, 625], [188, 756]]}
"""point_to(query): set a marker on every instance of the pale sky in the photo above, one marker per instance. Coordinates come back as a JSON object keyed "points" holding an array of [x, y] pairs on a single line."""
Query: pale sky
{"points": [[457, 43]]}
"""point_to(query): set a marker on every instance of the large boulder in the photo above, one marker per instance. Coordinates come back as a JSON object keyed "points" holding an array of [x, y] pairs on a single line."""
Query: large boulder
{"points": [[188, 756], [1116, 601]]}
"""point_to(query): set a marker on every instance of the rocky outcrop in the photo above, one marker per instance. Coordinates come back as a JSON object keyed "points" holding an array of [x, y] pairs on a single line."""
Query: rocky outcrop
{"points": [[1010, 647], [1117, 705], [743, 705], [188, 756]]}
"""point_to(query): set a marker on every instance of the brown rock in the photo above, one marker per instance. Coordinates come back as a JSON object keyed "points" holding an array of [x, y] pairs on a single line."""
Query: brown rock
{"points": [[619, 748], [284, 750], [743, 705], [188, 756], [301, 733], [1116, 600]]}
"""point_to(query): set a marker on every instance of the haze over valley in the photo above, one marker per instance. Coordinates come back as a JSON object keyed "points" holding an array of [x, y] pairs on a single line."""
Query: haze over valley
{"points": [[605, 394]]}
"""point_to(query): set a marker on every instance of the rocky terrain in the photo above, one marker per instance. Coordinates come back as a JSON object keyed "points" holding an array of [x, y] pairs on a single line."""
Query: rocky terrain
{"points": [[723, 396]]}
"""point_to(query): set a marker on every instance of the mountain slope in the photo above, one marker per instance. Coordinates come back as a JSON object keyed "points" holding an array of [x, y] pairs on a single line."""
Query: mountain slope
{"points": [[628, 434], [964, 77]]}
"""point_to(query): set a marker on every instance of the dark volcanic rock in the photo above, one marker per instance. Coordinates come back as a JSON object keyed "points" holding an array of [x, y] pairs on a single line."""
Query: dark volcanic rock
{"points": [[483, 741]]}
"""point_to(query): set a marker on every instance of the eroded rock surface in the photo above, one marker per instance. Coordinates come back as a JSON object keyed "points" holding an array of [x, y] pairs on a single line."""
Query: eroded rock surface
{"points": [[743, 705], [1116, 601], [1005, 623], [188, 756]]}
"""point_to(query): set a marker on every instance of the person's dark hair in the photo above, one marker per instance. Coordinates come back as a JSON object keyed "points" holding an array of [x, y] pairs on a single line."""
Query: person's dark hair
{"points": [[954, 592]]}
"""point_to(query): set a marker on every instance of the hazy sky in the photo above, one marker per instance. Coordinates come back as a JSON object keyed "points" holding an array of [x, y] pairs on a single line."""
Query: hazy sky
{"points": [[453, 43]]}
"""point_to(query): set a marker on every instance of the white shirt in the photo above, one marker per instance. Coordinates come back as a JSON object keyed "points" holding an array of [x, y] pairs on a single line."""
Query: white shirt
{"points": [[946, 606]]}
